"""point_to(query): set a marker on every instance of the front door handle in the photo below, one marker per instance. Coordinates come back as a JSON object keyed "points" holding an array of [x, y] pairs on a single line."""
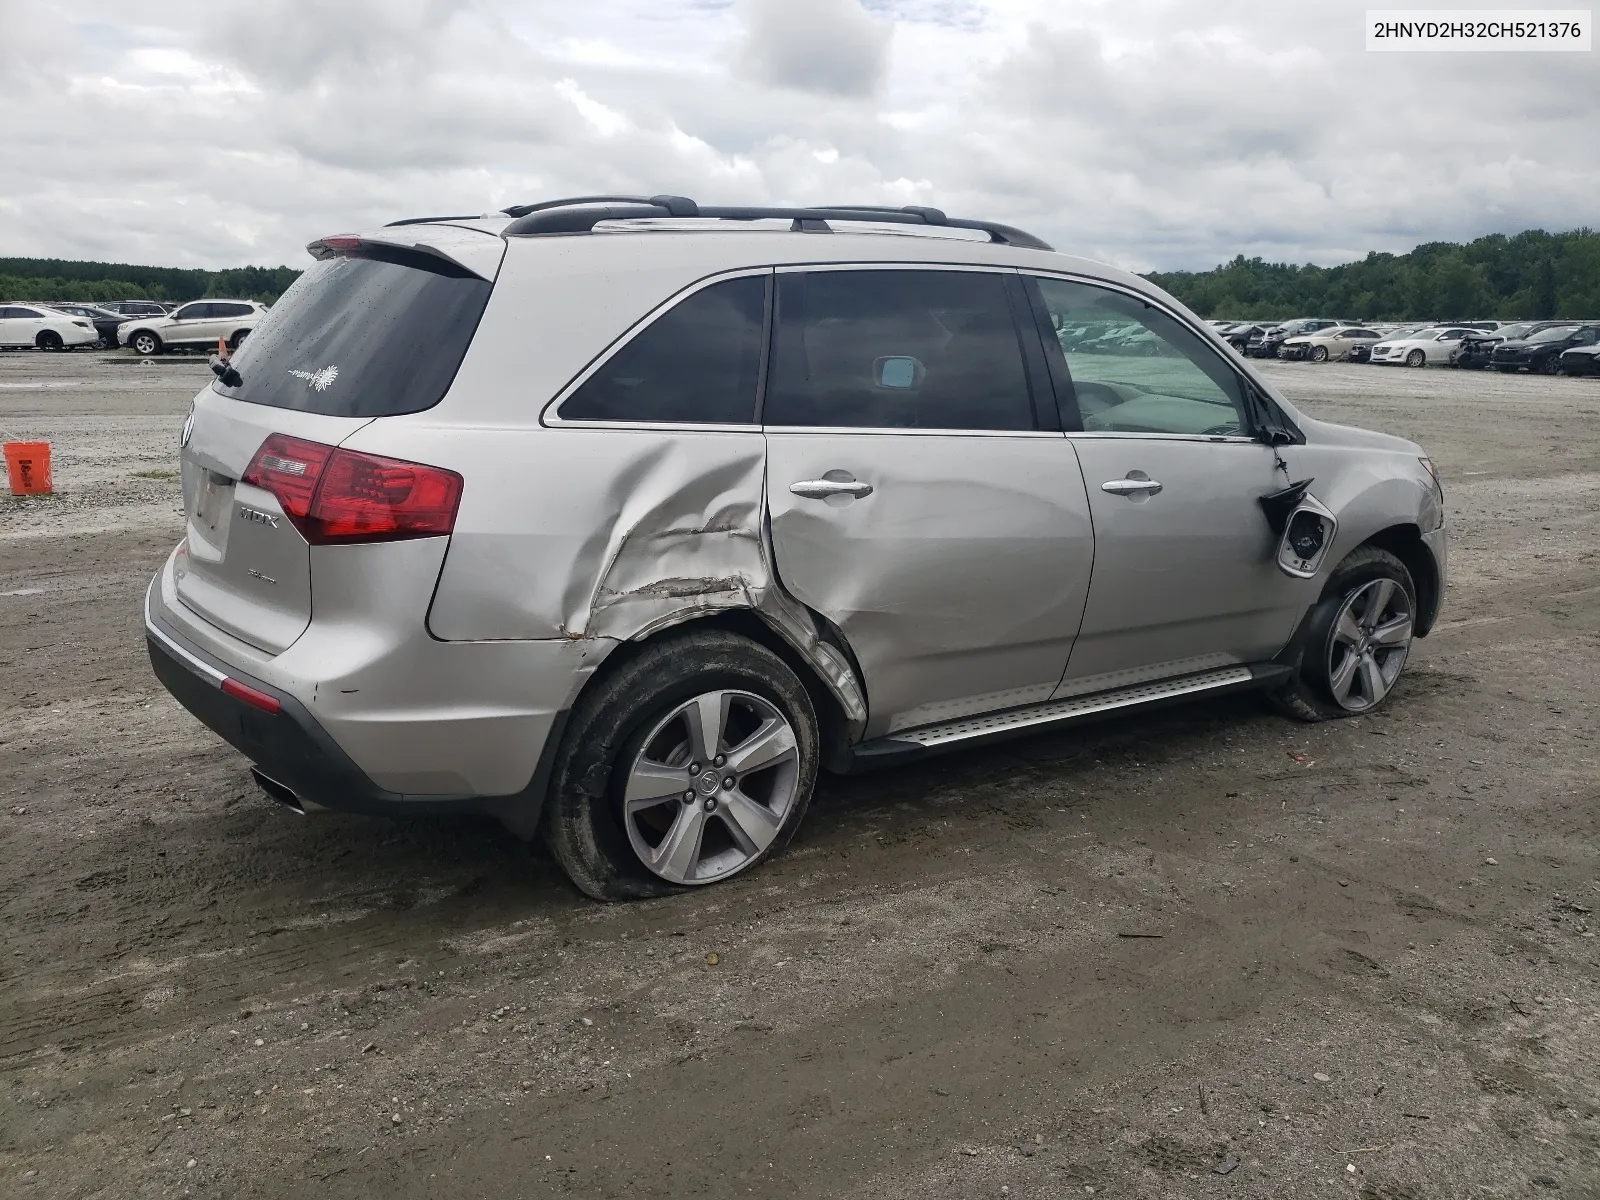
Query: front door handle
{"points": [[821, 489], [1131, 486]]}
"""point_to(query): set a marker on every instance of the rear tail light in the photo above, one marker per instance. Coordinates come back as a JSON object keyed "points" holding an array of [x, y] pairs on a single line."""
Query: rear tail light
{"points": [[339, 496]]}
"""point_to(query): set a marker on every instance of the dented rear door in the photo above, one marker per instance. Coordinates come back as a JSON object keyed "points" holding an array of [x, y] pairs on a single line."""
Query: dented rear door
{"points": [[914, 500]]}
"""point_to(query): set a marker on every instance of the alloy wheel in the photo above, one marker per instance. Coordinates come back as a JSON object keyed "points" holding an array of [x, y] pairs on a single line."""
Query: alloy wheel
{"points": [[710, 786], [1371, 638], [1416, 359]]}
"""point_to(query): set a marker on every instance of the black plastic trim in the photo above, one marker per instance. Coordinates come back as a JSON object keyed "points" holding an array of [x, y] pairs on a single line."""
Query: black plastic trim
{"points": [[1067, 413], [1041, 389]]}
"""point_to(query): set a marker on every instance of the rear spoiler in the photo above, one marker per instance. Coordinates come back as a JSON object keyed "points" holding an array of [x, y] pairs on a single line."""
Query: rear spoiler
{"points": [[443, 249]]}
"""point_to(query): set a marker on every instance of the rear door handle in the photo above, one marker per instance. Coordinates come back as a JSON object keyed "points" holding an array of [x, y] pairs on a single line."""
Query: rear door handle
{"points": [[1130, 487], [821, 489]]}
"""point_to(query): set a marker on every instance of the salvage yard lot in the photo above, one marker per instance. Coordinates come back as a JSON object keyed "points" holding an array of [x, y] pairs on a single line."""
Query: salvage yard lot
{"points": [[1202, 952]]}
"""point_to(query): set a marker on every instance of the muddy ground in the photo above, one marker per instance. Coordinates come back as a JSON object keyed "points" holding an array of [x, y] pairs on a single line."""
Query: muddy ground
{"points": [[1199, 953]]}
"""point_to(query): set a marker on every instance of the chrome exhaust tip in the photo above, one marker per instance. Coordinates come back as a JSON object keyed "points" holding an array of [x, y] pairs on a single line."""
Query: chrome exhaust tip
{"points": [[281, 794]]}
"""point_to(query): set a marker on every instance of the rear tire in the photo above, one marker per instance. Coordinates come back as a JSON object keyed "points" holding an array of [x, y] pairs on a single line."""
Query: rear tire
{"points": [[615, 813], [1416, 359], [145, 344], [238, 339], [49, 340], [1355, 642]]}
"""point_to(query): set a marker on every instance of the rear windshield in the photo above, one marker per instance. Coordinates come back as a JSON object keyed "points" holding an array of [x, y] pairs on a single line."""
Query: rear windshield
{"points": [[362, 337]]}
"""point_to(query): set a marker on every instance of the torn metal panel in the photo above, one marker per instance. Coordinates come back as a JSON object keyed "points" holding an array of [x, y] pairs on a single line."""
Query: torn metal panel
{"points": [[631, 532]]}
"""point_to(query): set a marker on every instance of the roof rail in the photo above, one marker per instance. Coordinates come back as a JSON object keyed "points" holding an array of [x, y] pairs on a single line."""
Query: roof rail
{"points": [[580, 214]]}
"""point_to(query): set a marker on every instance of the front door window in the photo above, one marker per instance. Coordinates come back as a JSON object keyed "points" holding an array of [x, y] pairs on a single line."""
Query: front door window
{"points": [[1135, 369]]}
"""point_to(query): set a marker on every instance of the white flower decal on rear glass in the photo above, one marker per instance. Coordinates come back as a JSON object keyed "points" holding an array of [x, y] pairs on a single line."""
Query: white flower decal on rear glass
{"points": [[319, 379]]}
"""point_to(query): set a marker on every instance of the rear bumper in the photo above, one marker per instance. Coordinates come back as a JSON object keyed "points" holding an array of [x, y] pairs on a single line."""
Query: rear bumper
{"points": [[293, 749]]}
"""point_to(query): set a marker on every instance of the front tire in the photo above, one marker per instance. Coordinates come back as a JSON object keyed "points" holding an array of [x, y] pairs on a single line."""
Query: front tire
{"points": [[1416, 359], [691, 763], [1550, 366], [1319, 354], [1355, 642], [145, 344]]}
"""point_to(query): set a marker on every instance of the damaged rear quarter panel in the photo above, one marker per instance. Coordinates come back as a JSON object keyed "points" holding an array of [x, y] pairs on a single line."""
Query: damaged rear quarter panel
{"points": [[602, 533]]}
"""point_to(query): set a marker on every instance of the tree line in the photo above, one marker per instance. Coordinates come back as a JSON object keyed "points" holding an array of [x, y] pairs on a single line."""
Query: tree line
{"points": [[1532, 275], [44, 279]]}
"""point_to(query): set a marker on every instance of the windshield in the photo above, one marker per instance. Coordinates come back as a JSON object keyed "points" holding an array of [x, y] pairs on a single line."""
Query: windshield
{"points": [[1553, 335], [362, 337]]}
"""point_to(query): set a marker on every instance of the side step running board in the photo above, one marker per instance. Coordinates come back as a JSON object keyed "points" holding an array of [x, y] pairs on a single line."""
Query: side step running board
{"points": [[1035, 718]]}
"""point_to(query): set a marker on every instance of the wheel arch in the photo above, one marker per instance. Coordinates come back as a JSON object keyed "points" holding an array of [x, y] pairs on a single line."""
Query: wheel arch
{"points": [[1404, 541], [837, 730]]}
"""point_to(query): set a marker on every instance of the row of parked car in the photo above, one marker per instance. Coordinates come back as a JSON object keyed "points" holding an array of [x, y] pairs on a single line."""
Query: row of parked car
{"points": [[145, 326], [1544, 347]]}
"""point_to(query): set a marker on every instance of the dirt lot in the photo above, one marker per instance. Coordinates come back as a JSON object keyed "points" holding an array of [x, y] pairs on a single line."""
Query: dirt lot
{"points": [[1199, 953]]}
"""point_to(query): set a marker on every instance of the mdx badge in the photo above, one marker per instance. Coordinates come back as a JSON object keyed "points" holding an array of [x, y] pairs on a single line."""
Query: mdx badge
{"points": [[256, 516]]}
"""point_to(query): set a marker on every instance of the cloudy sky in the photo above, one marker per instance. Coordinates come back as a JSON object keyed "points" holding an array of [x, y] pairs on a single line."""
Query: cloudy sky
{"points": [[1150, 133]]}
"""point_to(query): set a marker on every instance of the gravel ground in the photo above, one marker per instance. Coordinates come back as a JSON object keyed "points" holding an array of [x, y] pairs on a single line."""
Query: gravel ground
{"points": [[1198, 953]]}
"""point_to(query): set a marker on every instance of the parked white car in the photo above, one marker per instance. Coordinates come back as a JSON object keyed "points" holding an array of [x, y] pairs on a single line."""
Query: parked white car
{"points": [[198, 323], [1419, 349], [33, 325]]}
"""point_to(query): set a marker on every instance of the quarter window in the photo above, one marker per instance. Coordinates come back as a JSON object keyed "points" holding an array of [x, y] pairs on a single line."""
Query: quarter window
{"points": [[1135, 369], [899, 350], [697, 363]]}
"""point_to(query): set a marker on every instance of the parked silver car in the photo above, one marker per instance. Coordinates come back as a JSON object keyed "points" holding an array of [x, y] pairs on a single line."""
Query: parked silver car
{"points": [[621, 520], [198, 323]]}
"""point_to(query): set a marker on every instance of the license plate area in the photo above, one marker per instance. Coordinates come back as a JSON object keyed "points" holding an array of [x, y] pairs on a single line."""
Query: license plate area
{"points": [[213, 505]]}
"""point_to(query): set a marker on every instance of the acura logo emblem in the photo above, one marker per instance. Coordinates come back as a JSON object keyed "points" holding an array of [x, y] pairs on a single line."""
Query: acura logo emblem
{"points": [[188, 428]]}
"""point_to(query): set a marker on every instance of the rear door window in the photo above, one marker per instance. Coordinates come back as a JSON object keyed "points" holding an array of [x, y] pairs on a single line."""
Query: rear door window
{"points": [[698, 363], [362, 337], [897, 350]]}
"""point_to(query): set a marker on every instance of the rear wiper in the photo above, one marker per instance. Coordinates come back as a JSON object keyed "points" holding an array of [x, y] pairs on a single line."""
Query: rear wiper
{"points": [[225, 372]]}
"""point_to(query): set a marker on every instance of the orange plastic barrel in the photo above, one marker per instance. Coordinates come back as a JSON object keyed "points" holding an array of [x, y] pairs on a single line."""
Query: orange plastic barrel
{"points": [[28, 465]]}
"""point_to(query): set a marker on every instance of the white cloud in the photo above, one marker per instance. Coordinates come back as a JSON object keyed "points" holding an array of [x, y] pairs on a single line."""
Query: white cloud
{"points": [[1152, 133]]}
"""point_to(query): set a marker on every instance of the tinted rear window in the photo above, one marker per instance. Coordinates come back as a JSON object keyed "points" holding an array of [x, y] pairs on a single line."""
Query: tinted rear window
{"points": [[897, 349], [362, 337]]}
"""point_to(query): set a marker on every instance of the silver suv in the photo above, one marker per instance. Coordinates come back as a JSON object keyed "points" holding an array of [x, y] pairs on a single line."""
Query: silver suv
{"points": [[619, 519]]}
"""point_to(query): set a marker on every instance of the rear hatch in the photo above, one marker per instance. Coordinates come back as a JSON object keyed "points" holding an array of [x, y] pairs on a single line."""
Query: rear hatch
{"points": [[374, 328]]}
